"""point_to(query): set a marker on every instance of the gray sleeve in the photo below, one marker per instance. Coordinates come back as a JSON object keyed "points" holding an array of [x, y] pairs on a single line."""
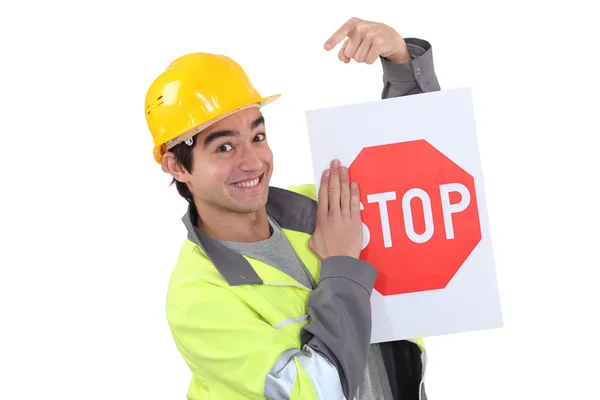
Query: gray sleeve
{"points": [[413, 77], [340, 310]]}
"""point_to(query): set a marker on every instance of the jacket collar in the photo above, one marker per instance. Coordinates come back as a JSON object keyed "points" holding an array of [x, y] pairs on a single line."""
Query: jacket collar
{"points": [[289, 209]]}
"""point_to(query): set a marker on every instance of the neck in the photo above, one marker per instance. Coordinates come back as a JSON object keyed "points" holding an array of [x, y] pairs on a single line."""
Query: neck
{"points": [[231, 227]]}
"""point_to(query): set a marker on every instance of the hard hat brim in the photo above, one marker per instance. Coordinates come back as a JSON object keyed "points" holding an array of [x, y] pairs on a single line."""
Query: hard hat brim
{"points": [[200, 128]]}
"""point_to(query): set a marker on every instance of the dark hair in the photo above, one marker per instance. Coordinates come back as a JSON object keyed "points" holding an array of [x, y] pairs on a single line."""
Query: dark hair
{"points": [[184, 154]]}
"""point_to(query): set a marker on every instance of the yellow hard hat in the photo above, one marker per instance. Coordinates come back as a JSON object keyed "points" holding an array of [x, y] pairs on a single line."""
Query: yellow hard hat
{"points": [[194, 92]]}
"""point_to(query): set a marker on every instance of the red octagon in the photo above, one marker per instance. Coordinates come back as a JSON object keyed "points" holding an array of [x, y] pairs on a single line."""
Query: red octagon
{"points": [[420, 210]]}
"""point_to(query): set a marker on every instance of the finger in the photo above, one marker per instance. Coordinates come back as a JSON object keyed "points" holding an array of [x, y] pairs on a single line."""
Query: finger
{"points": [[323, 205], [341, 54], [334, 188], [373, 54], [354, 201], [352, 46], [341, 33], [363, 49], [345, 192]]}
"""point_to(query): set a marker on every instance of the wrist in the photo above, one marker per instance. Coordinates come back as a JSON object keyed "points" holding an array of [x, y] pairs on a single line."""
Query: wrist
{"points": [[352, 254], [400, 56], [347, 253]]}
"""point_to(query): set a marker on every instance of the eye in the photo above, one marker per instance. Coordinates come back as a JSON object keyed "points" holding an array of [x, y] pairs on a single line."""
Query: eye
{"points": [[224, 148], [260, 137]]}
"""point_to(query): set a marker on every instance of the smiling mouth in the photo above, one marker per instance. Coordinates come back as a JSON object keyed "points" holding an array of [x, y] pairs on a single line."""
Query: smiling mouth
{"points": [[249, 183]]}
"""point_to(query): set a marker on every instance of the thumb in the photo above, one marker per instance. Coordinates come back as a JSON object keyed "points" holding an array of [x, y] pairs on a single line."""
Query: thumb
{"points": [[312, 245]]}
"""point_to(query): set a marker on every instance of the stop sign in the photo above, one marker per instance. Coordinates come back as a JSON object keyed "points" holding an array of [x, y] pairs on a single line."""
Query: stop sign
{"points": [[420, 215]]}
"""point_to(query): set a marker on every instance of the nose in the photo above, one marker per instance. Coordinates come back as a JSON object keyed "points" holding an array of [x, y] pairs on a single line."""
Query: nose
{"points": [[250, 158]]}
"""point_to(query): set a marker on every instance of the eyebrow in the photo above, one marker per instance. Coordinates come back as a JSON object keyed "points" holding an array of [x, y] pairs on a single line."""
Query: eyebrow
{"points": [[211, 137]]}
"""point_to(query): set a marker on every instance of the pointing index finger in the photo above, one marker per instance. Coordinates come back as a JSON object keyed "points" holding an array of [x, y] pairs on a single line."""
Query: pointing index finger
{"points": [[341, 33]]}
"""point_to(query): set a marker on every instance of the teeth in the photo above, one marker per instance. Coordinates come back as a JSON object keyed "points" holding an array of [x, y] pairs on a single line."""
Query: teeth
{"points": [[248, 184]]}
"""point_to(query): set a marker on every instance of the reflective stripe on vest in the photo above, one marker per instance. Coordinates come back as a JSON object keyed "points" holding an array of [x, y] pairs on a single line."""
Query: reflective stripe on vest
{"points": [[323, 375]]}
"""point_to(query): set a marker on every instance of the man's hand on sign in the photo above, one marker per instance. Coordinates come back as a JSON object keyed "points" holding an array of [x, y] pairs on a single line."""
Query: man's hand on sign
{"points": [[338, 230], [367, 40]]}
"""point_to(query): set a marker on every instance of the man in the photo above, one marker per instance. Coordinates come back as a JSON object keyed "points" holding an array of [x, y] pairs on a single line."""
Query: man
{"points": [[269, 298]]}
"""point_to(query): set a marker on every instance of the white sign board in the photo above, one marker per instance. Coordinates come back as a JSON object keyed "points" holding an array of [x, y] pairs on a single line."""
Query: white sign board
{"points": [[425, 222]]}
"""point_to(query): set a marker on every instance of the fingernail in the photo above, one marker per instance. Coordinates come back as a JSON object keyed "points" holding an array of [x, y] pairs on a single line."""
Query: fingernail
{"points": [[344, 171], [327, 172], [335, 163]]}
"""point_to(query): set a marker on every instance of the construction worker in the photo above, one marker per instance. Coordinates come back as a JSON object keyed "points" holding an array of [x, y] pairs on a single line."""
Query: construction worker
{"points": [[268, 298]]}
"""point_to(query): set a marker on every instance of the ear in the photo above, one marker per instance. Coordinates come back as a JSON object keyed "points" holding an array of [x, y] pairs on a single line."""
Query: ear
{"points": [[175, 168]]}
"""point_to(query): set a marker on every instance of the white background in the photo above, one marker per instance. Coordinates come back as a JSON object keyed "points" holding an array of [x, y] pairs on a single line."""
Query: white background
{"points": [[90, 229]]}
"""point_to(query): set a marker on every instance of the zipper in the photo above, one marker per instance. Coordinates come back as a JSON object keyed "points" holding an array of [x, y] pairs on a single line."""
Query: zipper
{"points": [[306, 271], [424, 364], [299, 286]]}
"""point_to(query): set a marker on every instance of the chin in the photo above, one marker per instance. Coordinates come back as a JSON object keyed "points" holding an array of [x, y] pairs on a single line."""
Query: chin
{"points": [[249, 204], [248, 208]]}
